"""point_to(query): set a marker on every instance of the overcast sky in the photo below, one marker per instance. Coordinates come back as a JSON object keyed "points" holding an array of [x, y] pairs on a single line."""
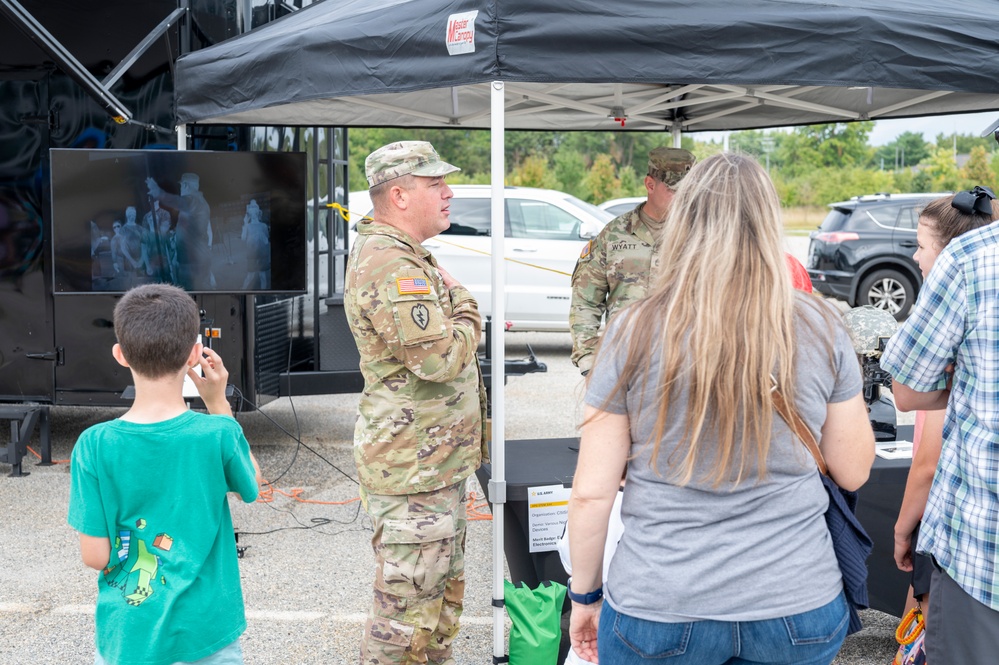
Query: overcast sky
{"points": [[966, 123], [885, 131]]}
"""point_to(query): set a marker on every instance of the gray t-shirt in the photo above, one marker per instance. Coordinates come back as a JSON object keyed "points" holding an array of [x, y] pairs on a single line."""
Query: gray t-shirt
{"points": [[753, 551]]}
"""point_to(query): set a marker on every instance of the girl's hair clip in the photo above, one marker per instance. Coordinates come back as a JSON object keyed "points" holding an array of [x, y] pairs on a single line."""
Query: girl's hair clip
{"points": [[977, 201]]}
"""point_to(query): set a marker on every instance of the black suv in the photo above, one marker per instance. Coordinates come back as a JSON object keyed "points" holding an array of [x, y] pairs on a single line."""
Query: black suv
{"points": [[862, 251]]}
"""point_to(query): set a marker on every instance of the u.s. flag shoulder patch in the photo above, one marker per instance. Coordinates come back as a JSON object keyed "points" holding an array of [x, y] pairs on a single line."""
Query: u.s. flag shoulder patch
{"points": [[412, 285]]}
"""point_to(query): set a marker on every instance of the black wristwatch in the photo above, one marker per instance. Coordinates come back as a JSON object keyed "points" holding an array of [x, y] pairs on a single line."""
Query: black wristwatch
{"points": [[584, 598]]}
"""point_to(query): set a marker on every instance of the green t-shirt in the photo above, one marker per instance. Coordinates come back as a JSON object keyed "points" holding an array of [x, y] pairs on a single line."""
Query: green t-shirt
{"points": [[171, 590]]}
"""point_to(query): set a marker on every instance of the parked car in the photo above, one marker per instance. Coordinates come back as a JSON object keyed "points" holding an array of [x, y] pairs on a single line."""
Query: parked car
{"points": [[545, 233], [862, 251], [620, 206]]}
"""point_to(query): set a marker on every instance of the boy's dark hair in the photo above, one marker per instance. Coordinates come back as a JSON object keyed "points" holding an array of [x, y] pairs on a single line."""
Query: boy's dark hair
{"points": [[156, 326]]}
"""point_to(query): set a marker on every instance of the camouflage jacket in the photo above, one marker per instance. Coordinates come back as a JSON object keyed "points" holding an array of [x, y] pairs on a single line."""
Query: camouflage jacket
{"points": [[612, 272], [422, 413]]}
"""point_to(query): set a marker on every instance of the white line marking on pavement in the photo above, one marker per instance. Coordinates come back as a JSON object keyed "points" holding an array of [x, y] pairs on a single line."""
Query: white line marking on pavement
{"points": [[272, 615], [18, 608], [254, 615], [476, 621], [74, 609], [354, 617], [42, 608]]}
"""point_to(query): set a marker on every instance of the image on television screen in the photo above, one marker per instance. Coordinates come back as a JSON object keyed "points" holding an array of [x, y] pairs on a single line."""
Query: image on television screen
{"points": [[208, 222]]}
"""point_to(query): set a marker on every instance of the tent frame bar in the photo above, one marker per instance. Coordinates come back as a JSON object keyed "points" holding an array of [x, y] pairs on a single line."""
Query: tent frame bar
{"points": [[497, 481], [35, 31], [142, 47]]}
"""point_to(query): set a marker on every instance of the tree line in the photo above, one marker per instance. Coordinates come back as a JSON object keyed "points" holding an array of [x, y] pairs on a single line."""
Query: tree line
{"points": [[811, 165]]}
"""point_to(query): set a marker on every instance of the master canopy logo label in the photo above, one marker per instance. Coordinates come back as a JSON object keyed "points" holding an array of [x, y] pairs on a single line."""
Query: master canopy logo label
{"points": [[461, 33]]}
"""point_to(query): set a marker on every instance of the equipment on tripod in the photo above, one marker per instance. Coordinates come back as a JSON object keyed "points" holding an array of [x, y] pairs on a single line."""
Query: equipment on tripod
{"points": [[870, 329]]}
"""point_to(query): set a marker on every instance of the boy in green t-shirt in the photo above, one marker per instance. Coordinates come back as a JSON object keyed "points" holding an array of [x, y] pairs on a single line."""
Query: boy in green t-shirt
{"points": [[149, 496]]}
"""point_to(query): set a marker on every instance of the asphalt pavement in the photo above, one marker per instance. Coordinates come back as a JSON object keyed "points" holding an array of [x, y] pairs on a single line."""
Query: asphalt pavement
{"points": [[307, 569]]}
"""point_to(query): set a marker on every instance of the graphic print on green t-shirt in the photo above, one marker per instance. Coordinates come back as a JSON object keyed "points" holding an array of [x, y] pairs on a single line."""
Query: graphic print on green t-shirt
{"points": [[137, 564]]}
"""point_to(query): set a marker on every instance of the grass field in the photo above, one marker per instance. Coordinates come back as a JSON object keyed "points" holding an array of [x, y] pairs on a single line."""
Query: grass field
{"points": [[802, 220]]}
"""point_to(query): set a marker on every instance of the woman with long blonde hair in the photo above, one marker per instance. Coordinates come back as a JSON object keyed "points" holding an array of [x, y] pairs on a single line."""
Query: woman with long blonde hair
{"points": [[726, 557]]}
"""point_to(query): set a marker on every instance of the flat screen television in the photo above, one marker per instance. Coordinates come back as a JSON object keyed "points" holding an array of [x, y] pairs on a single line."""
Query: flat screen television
{"points": [[209, 222]]}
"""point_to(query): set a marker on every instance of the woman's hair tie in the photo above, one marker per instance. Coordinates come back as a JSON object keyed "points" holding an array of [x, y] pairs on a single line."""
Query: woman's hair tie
{"points": [[976, 201]]}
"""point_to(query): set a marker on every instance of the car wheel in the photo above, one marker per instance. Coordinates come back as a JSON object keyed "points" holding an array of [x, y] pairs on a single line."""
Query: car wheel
{"points": [[888, 290]]}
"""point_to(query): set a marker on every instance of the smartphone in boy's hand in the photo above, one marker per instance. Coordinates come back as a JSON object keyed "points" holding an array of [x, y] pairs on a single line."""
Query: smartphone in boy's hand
{"points": [[211, 382]]}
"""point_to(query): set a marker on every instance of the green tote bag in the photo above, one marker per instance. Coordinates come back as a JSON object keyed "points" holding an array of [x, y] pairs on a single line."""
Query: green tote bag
{"points": [[536, 616]]}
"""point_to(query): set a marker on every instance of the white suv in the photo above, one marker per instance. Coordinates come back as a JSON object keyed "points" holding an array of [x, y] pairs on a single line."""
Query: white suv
{"points": [[620, 206], [545, 233]]}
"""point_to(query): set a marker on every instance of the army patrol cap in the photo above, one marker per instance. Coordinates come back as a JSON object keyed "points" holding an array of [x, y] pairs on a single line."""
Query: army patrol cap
{"points": [[405, 158], [669, 165]]}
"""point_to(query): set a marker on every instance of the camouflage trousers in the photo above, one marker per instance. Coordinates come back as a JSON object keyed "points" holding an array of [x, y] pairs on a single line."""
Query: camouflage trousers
{"points": [[419, 545]]}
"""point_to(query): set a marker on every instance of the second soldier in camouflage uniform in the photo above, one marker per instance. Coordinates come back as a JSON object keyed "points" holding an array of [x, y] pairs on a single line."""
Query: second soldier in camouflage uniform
{"points": [[614, 269], [419, 432]]}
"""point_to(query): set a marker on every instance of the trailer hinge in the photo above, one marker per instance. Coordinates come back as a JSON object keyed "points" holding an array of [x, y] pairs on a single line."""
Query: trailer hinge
{"points": [[57, 356], [51, 119]]}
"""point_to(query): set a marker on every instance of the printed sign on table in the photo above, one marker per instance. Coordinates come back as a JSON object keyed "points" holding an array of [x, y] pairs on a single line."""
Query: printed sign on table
{"points": [[547, 511]]}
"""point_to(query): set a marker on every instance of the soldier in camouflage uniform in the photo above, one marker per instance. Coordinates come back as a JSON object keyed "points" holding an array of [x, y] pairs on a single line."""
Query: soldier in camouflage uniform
{"points": [[420, 426], [615, 267]]}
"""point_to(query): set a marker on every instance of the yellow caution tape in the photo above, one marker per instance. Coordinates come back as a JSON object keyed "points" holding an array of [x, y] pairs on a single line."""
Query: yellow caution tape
{"points": [[344, 212], [523, 263]]}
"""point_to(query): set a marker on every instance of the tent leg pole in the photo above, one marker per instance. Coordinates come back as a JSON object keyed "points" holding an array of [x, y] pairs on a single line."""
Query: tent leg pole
{"points": [[181, 137], [676, 130], [498, 365]]}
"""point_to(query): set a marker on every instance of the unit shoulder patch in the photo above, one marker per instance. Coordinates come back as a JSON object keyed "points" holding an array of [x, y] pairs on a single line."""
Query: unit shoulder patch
{"points": [[420, 315]]}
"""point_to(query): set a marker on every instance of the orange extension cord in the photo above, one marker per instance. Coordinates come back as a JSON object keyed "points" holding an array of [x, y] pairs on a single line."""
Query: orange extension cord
{"points": [[267, 492], [475, 510], [474, 506], [55, 461]]}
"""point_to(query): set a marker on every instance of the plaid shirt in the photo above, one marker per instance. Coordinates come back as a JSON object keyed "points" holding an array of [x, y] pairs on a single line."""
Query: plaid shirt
{"points": [[956, 320]]}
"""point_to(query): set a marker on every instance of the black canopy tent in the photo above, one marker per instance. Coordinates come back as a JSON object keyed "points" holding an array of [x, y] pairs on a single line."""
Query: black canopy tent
{"points": [[667, 65], [578, 64]]}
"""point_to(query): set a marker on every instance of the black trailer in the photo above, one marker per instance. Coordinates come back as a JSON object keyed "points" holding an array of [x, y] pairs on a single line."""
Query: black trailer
{"points": [[99, 74]]}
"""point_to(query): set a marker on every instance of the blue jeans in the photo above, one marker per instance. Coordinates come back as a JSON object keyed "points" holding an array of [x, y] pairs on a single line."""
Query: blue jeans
{"points": [[809, 638]]}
